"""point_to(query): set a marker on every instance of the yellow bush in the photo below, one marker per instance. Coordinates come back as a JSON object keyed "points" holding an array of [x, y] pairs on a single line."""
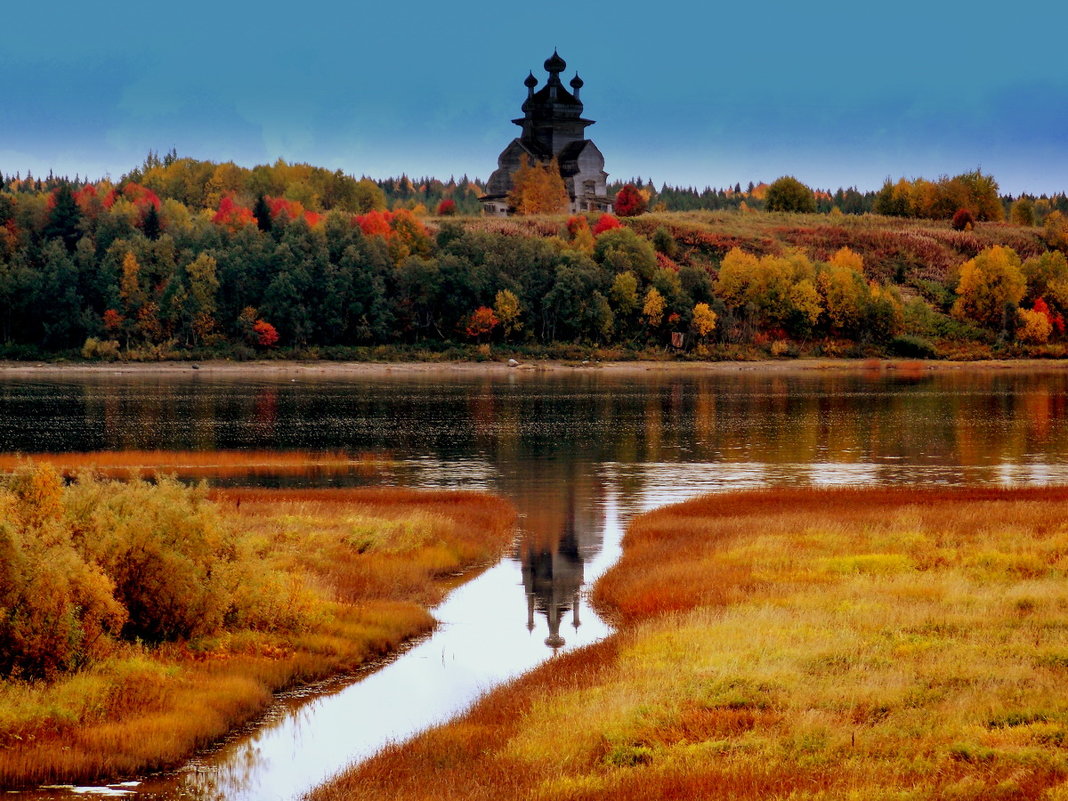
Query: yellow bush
{"points": [[1033, 327], [56, 610]]}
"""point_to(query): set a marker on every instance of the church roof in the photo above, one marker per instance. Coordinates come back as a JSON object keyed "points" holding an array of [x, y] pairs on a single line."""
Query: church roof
{"points": [[543, 97]]}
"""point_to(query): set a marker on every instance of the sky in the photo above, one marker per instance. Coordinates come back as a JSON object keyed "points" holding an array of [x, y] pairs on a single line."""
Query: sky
{"points": [[688, 93]]}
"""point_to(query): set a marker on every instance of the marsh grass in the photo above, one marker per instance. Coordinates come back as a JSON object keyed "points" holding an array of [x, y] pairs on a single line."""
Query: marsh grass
{"points": [[801, 644], [341, 578], [203, 464]]}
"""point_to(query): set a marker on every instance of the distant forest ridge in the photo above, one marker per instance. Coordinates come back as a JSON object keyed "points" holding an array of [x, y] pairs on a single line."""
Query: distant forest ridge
{"points": [[200, 183], [185, 258]]}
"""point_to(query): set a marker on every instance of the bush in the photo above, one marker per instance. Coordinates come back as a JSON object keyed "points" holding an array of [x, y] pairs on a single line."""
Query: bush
{"points": [[56, 610], [106, 350], [164, 546], [913, 347], [665, 243], [963, 220]]}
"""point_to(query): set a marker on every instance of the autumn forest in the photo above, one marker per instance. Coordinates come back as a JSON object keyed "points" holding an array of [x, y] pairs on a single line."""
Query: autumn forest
{"points": [[190, 259]]}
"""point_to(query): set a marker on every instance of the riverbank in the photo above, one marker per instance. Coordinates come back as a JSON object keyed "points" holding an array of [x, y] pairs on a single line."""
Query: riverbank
{"points": [[275, 370], [341, 579], [809, 644]]}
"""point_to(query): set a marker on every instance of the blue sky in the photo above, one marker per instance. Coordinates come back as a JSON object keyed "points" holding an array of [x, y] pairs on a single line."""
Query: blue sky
{"points": [[693, 93]]}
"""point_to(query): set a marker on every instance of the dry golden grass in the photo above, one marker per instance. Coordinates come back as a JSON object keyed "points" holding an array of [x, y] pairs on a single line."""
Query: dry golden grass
{"points": [[801, 644], [202, 464], [364, 565]]}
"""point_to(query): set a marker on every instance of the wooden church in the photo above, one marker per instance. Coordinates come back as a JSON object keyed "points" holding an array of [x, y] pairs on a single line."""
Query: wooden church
{"points": [[553, 127]]}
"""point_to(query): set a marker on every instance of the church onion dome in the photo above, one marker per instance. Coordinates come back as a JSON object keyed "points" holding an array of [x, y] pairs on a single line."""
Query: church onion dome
{"points": [[577, 82], [530, 81], [555, 64]]}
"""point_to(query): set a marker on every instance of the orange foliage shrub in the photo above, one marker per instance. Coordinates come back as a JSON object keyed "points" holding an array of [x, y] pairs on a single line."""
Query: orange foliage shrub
{"points": [[606, 222]]}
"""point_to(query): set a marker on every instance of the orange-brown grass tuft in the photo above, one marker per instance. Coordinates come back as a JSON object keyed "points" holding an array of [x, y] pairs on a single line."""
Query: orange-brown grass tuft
{"points": [[343, 579], [203, 464], [823, 644]]}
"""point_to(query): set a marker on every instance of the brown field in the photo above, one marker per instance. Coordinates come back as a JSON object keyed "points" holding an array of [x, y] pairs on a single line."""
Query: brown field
{"points": [[202, 464], [790, 644], [345, 577]]}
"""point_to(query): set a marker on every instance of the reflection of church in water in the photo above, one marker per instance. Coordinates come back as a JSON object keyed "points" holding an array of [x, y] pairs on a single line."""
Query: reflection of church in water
{"points": [[553, 576]]}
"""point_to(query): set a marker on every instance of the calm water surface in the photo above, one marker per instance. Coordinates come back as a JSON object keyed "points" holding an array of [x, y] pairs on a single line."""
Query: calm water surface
{"points": [[578, 453]]}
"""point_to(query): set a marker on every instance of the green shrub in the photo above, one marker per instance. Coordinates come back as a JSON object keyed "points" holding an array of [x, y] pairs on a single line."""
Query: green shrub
{"points": [[913, 347]]}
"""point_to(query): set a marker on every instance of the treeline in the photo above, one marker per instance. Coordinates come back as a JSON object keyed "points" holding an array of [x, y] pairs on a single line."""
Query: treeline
{"points": [[237, 262], [204, 184], [919, 197]]}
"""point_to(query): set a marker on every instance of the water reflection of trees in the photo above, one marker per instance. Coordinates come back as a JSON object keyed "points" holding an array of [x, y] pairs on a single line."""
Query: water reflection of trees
{"points": [[968, 417]]}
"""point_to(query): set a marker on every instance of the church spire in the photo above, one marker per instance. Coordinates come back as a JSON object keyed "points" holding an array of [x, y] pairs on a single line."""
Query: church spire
{"points": [[577, 84], [530, 82], [554, 65]]}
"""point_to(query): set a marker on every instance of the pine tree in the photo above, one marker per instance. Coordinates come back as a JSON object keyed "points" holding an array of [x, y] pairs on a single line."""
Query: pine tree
{"points": [[151, 225], [262, 212], [65, 218]]}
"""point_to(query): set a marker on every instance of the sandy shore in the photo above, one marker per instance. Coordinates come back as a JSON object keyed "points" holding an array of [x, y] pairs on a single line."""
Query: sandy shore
{"points": [[311, 369]]}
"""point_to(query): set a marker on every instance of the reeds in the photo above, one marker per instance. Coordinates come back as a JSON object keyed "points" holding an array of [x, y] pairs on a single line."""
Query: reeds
{"points": [[204, 464], [341, 578], [801, 644]]}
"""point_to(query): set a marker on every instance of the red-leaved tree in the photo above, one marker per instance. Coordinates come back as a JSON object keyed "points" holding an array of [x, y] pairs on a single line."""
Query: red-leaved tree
{"points": [[629, 201], [1056, 319], [266, 334], [481, 323], [232, 215]]}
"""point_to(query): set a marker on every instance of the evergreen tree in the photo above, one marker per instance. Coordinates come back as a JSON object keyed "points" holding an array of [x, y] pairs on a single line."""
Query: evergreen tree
{"points": [[64, 220], [262, 212], [151, 225]]}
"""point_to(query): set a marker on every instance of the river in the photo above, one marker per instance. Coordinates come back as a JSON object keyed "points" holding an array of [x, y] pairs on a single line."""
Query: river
{"points": [[579, 453]]}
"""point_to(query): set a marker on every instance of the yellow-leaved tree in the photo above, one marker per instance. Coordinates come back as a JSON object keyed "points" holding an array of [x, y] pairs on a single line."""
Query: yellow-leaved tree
{"points": [[538, 189], [781, 289], [506, 307], [653, 308], [988, 283], [704, 321], [845, 293]]}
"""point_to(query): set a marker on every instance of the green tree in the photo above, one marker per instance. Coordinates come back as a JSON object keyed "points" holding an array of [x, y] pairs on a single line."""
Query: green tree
{"points": [[622, 250], [1047, 277], [150, 226], [64, 219], [1023, 212], [789, 194]]}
